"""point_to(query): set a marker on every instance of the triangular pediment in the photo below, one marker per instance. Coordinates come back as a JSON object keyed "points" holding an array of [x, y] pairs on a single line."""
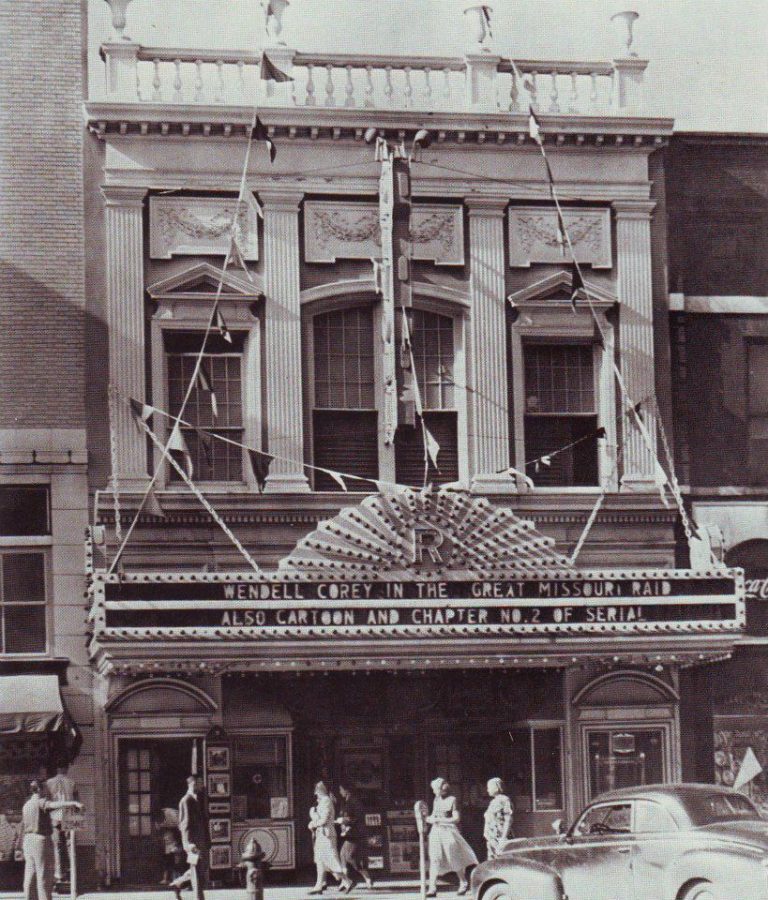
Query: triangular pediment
{"points": [[202, 279], [412, 534], [557, 287]]}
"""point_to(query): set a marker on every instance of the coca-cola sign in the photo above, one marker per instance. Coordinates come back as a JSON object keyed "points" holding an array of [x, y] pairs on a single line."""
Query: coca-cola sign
{"points": [[756, 588]]}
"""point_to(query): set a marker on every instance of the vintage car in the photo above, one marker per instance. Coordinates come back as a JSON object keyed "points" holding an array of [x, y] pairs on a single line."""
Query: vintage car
{"points": [[657, 842]]}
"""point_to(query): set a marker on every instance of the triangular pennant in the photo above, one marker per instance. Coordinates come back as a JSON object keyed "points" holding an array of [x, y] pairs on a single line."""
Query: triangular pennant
{"points": [[534, 126], [546, 461], [749, 770], [177, 444], [221, 325], [577, 283], [517, 473], [260, 133], [152, 504], [269, 71], [206, 384], [601, 434], [433, 448], [260, 463], [661, 481], [141, 410], [337, 478], [235, 258], [206, 442], [487, 17]]}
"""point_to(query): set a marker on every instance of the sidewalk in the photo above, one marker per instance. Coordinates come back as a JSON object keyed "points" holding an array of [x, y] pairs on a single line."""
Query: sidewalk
{"points": [[386, 890]]}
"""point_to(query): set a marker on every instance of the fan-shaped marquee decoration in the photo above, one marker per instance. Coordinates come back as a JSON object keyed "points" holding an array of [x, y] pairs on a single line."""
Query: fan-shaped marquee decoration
{"points": [[423, 533]]}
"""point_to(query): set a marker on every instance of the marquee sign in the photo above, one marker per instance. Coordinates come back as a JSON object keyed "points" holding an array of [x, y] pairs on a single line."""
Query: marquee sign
{"points": [[187, 605]]}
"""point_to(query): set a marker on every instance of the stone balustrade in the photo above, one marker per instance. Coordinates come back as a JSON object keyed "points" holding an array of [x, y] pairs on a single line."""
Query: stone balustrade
{"points": [[154, 75]]}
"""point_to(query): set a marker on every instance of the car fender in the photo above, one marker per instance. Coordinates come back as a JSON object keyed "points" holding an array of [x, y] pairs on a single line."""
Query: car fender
{"points": [[526, 879], [735, 870]]}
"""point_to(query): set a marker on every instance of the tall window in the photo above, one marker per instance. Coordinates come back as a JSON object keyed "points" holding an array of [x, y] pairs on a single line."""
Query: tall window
{"points": [[433, 356], [344, 418], [213, 460], [24, 513], [561, 413], [757, 400]]}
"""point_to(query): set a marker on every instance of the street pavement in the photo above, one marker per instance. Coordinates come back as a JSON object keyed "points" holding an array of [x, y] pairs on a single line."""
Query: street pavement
{"points": [[389, 890]]}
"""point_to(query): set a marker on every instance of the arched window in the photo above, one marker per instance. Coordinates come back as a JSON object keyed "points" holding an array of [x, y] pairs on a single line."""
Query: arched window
{"points": [[344, 416]]}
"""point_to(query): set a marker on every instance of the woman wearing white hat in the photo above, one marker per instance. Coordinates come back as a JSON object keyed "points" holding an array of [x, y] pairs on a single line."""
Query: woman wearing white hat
{"points": [[448, 851]]}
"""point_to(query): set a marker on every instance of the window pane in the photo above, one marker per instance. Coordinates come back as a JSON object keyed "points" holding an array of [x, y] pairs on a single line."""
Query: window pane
{"points": [[345, 442], [24, 628], [343, 363], [572, 444], [433, 355], [23, 577], [24, 510], [546, 748], [409, 450], [652, 817], [559, 378]]}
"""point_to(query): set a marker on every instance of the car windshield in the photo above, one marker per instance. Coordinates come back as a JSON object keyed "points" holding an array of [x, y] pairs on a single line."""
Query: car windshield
{"points": [[708, 809]]}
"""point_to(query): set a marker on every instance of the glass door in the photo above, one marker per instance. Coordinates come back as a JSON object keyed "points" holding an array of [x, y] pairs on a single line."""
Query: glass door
{"points": [[625, 757]]}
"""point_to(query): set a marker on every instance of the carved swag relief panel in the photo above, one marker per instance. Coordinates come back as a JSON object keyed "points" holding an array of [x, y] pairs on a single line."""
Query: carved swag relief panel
{"points": [[195, 226], [534, 236], [351, 231]]}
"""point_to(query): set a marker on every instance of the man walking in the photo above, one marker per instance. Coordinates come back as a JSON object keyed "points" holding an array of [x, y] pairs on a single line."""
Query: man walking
{"points": [[38, 828], [193, 825], [61, 787]]}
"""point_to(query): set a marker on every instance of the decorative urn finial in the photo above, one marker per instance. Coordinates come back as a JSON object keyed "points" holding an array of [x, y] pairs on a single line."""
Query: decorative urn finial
{"points": [[625, 22], [477, 18], [273, 18], [118, 8]]}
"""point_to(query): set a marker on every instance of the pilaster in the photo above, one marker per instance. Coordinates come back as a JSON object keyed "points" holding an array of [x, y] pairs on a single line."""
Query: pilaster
{"points": [[635, 292], [283, 341], [489, 420], [125, 309]]}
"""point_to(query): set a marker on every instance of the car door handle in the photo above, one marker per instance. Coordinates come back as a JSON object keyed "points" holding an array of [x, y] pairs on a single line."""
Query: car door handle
{"points": [[624, 849]]}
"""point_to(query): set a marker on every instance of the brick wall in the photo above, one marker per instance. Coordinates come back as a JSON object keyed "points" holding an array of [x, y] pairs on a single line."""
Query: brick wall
{"points": [[717, 190], [41, 214]]}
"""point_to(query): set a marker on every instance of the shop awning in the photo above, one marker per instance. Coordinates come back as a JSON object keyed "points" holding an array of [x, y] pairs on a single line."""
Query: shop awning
{"points": [[31, 704]]}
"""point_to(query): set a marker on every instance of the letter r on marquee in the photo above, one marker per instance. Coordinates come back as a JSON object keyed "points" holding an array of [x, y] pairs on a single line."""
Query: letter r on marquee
{"points": [[426, 540]]}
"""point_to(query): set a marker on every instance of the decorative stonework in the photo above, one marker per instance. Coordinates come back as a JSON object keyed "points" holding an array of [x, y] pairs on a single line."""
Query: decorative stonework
{"points": [[193, 226], [351, 231], [533, 236]]}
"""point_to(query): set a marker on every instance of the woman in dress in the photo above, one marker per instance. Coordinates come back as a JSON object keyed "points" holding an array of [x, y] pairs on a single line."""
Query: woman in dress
{"points": [[498, 818], [322, 825], [448, 851]]}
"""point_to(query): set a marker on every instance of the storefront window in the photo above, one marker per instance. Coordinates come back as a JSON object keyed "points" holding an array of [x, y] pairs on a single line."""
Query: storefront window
{"points": [[537, 778], [624, 758], [260, 777]]}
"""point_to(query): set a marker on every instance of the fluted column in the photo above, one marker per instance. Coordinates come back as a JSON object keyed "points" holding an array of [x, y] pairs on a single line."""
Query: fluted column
{"points": [[489, 420], [635, 291], [283, 341], [125, 311]]}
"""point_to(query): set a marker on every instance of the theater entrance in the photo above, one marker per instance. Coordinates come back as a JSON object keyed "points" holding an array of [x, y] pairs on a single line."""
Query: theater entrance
{"points": [[152, 778]]}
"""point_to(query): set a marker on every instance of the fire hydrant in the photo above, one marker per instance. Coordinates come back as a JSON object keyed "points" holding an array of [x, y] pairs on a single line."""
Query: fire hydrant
{"points": [[253, 863]]}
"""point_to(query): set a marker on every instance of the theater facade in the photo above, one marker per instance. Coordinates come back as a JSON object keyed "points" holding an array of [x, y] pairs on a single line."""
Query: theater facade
{"points": [[370, 618], [407, 635]]}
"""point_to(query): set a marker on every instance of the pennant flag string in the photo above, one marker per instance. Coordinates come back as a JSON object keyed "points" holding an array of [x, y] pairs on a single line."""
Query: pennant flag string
{"points": [[260, 463], [204, 500], [206, 384], [595, 510], [215, 318]]}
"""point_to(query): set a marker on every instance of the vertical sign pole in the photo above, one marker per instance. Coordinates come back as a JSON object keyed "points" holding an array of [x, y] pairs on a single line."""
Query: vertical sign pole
{"points": [[386, 209], [71, 846]]}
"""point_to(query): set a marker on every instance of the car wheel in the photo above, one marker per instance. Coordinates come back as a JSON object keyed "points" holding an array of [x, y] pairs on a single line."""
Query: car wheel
{"points": [[498, 891], [700, 891]]}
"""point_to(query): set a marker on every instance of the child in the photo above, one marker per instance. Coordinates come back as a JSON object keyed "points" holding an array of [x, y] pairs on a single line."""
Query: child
{"points": [[170, 842]]}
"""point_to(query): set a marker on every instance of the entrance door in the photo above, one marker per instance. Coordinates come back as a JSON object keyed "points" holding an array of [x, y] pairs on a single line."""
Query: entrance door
{"points": [[152, 776], [625, 757]]}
